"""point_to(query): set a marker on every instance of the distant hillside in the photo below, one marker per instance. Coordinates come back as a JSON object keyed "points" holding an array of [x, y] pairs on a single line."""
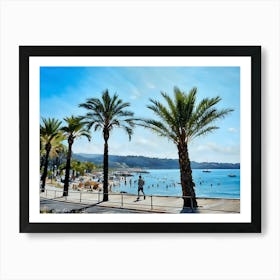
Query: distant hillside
{"points": [[150, 163]]}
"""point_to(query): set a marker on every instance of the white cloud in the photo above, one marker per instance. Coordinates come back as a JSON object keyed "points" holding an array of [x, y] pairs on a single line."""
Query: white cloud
{"points": [[215, 152], [150, 85], [233, 129], [145, 142], [135, 94], [87, 148], [234, 149]]}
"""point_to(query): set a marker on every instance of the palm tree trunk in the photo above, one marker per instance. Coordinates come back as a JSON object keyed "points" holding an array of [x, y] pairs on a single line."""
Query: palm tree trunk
{"points": [[186, 176], [42, 160], [105, 171], [67, 172], [45, 172]]}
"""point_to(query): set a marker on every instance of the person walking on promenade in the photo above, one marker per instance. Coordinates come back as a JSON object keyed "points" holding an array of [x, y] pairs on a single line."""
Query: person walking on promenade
{"points": [[141, 183]]}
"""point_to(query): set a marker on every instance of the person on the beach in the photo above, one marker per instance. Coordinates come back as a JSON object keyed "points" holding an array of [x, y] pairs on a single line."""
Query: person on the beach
{"points": [[141, 183]]}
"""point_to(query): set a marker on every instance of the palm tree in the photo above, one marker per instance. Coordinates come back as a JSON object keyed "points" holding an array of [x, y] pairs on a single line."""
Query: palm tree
{"points": [[75, 128], [58, 149], [89, 166], [105, 114], [75, 166], [181, 122], [60, 155], [49, 131]]}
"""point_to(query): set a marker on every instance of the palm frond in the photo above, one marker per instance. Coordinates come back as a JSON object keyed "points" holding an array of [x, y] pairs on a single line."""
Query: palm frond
{"points": [[86, 134], [170, 103], [128, 130], [108, 112], [76, 127], [49, 128], [181, 118], [204, 131], [205, 118], [159, 128], [162, 112]]}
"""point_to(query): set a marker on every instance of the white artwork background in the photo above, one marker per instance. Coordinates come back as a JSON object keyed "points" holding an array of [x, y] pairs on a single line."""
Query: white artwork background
{"points": [[118, 256]]}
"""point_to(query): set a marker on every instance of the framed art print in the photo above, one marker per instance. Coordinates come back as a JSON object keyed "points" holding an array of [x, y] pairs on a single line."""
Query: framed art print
{"points": [[140, 138]]}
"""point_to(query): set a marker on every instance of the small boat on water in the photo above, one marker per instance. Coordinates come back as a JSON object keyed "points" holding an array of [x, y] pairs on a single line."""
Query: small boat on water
{"points": [[231, 175], [206, 170]]}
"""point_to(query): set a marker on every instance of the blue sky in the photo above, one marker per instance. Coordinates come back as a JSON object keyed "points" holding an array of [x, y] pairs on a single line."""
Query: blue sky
{"points": [[63, 88]]}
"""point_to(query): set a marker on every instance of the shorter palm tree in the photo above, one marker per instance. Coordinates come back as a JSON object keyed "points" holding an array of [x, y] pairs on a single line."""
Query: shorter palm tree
{"points": [[75, 164], [49, 133], [75, 128], [89, 166], [58, 149], [77, 167]]}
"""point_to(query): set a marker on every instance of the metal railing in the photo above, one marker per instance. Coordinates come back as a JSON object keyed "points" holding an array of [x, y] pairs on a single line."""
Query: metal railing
{"points": [[122, 200]]}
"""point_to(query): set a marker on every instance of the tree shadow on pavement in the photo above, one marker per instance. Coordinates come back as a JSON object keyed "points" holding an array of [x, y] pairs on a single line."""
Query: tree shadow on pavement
{"points": [[84, 208]]}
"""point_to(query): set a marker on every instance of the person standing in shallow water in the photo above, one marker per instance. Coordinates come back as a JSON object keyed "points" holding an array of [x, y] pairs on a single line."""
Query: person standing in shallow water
{"points": [[141, 183]]}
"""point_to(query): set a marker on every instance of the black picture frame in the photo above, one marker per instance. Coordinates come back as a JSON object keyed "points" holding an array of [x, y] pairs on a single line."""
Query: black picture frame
{"points": [[254, 52]]}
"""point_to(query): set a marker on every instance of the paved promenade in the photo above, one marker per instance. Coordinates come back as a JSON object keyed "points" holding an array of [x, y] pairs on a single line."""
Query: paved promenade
{"points": [[91, 202]]}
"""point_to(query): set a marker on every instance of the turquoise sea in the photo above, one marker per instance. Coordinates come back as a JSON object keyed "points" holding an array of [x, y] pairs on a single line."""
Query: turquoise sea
{"points": [[213, 184]]}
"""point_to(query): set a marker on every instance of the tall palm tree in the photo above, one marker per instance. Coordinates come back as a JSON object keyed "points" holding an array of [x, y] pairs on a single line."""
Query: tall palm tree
{"points": [[49, 131], [105, 114], [75, 128], [181, 121]]}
